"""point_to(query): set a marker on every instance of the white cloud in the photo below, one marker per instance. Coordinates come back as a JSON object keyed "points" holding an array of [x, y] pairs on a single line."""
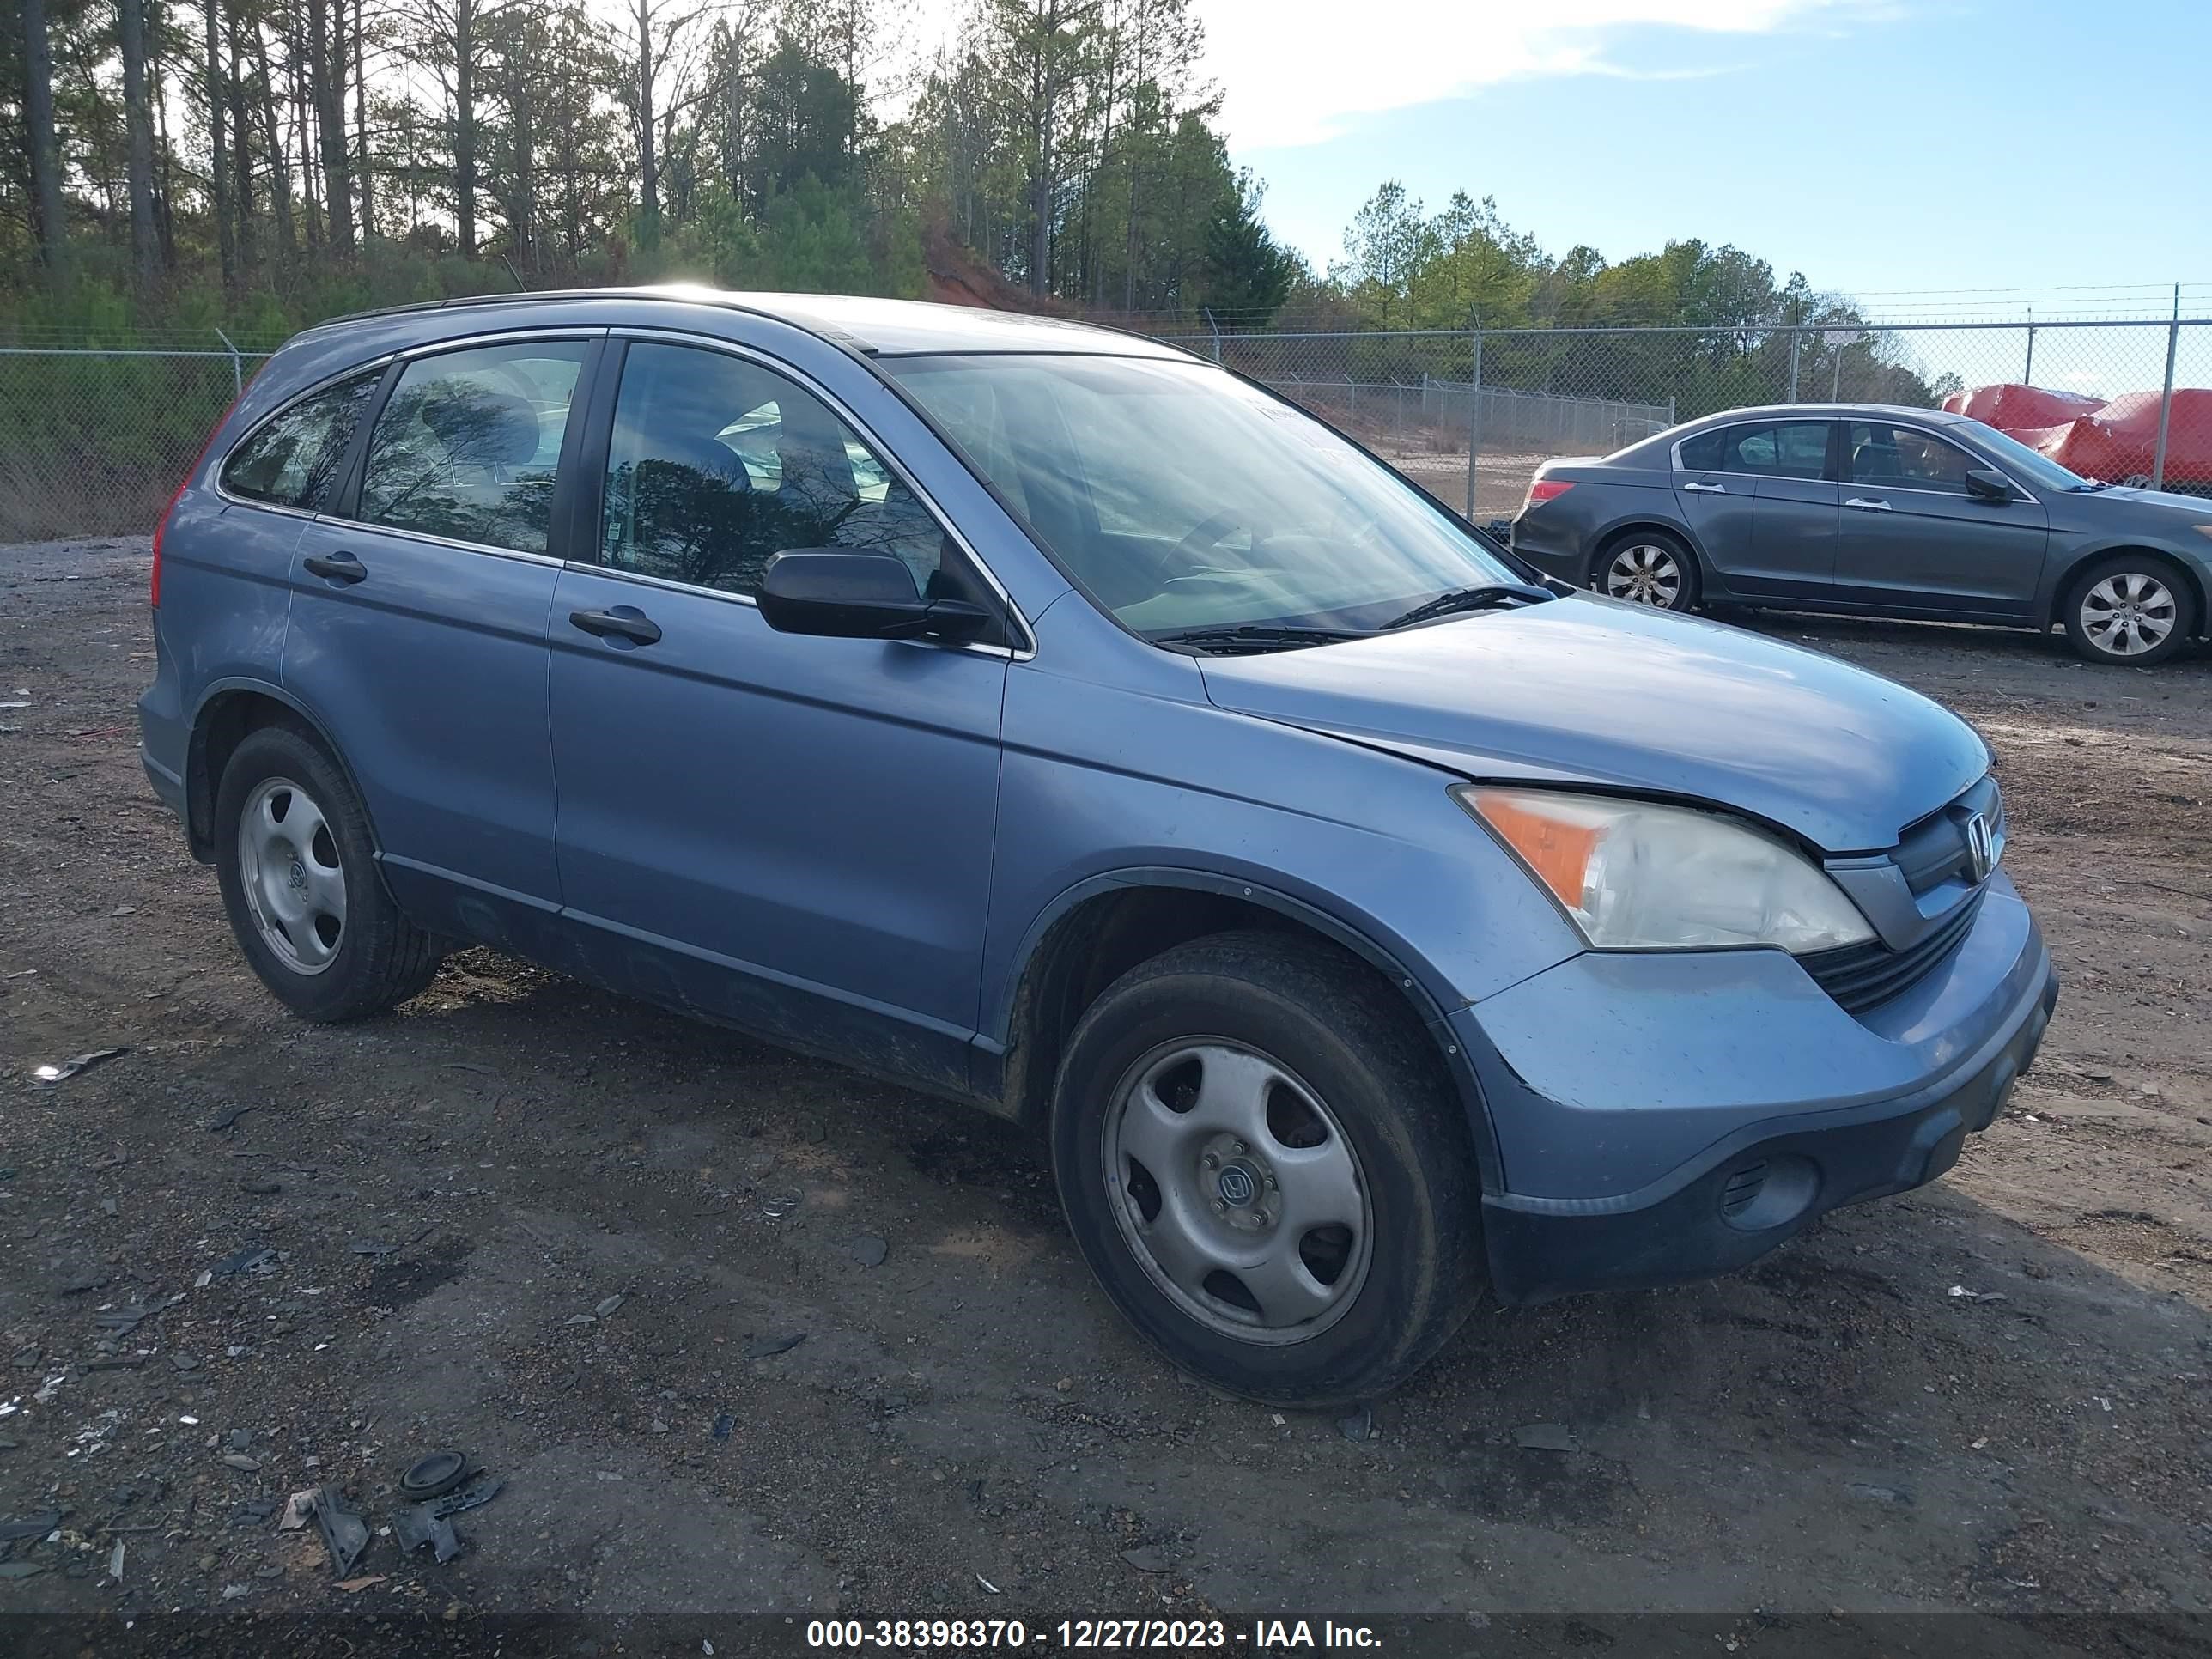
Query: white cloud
{"points": [[1297, 71]]}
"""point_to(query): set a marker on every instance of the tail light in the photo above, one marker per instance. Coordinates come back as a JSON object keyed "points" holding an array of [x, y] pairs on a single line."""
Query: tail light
{"points": [[1545, 490]]}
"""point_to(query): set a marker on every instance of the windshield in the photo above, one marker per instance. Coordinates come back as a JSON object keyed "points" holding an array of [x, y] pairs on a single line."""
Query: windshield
{"points": [[2023, 463], [1180, 498]]}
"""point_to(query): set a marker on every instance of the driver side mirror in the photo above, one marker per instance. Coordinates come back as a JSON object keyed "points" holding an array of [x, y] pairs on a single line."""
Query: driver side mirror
{"points": [[834, 592], [1986, 485]]}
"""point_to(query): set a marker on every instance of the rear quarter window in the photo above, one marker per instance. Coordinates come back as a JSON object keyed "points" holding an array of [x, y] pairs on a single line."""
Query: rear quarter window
{"points": [[294, 458], [1703, 452]]}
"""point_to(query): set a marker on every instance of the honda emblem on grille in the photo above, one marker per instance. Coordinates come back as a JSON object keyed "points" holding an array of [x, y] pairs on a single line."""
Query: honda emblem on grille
{"points": [[1981, 846]]}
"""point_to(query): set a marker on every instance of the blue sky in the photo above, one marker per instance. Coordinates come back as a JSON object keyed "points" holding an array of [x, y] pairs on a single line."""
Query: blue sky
{"points": [[1877, 145]]}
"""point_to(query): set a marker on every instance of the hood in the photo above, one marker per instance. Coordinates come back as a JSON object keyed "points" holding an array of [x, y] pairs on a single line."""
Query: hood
{"points": [[1583, 690], [2189, 507]]}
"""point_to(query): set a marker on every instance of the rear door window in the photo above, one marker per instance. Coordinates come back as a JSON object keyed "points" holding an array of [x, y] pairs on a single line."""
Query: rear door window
{"points": [[467, 445], [1801, 449], [294, 458]]}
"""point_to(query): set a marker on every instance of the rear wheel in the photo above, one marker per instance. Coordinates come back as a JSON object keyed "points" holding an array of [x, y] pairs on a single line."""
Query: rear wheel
{"points": [[297, 867], [1649, 567], [2129, 610], [1266, 1167]]}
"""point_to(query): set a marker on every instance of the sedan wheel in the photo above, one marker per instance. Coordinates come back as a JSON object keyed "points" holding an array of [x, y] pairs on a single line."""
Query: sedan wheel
{"points": [[2129, 610], [2129, 614], [1647, 572]]}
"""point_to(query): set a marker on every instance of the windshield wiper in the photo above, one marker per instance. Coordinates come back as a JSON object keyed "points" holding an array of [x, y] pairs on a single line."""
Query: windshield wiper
{"points": [[1468, 599], [1256, 637]]}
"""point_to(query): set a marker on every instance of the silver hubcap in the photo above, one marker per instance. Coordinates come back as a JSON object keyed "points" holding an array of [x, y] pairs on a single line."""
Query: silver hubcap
{"points": [[288, 864], [1645, 573], [2128, 614], [1237, 1190]]}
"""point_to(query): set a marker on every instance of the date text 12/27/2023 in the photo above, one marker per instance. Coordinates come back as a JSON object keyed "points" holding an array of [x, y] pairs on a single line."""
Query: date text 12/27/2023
{"points": [[1173, 1635]]}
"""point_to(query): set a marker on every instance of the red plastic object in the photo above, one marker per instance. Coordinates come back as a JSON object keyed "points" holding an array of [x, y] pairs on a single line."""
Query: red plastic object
{"points": [[2010, 408], [2109, 441]]}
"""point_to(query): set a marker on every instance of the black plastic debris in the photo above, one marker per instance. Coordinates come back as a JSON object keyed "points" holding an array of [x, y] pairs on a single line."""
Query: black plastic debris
{"points": [[434, 1476], [480, 1489], [1359, 1426], [723, 1426], [766, 1348], [245, 1261], [70, 1067], [29, 1526], [417, 1524], [345, 1534]]}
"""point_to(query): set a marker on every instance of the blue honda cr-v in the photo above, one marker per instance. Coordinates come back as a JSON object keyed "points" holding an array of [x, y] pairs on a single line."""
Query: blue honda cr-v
{"points": [[1037, 716]]}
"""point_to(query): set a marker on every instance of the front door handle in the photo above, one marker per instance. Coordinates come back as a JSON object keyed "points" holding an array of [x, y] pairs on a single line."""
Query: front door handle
{"points": [[340, 567], [1697, 486], [1866, 504], [624, 622]]}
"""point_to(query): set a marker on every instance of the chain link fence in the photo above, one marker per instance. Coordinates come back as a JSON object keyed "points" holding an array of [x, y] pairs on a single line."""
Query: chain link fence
{"points": [[93, 438], [1472, 413]]}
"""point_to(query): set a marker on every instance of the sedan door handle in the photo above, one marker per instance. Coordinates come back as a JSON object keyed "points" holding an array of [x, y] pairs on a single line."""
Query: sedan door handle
{"points": [[341, 567], [1701, 488], [1866, 505], [624, 622]]}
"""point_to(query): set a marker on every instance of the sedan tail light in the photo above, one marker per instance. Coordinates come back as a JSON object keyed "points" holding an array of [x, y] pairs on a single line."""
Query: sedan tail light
{"points": [[1544, 489]]}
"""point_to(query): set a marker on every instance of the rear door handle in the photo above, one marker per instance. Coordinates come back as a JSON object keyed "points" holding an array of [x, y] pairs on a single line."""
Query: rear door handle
{"points": [[1699, 487], [622, 622], [1867, 504], [341, 567]]}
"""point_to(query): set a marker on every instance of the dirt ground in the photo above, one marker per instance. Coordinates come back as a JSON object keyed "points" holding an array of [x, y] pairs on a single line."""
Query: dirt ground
{"points": [[559, 1231]]}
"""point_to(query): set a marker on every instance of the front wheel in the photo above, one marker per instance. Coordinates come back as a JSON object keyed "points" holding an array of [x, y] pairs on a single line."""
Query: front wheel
{"points": [[1649, 567], [2128, 611], [1268, 1170]]}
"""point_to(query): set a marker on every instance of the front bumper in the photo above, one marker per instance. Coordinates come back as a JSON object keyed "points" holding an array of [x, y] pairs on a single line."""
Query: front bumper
{"points": [[1700, 1111]]}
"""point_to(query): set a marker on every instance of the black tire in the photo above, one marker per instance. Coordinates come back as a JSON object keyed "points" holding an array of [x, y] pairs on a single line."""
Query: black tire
{"points": [[1323, 1016], [2094, 626], [378, 958], [1661, 545]]}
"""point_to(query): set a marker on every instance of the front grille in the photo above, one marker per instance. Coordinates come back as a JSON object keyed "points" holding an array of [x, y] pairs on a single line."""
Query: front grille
{"points": [[1933, 850], [1860, 975]]}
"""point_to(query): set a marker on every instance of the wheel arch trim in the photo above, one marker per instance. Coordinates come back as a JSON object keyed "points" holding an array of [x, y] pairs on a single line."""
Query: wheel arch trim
{"points": [[200, 788], [1409, 977]]}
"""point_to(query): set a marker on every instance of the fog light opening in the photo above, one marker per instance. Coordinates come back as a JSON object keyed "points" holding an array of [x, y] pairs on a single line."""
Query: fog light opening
{"points": [[1762, 1192]]}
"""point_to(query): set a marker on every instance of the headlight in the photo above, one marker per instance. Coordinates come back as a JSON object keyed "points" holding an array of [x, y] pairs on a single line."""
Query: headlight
{"points": [[1636, 876]]}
